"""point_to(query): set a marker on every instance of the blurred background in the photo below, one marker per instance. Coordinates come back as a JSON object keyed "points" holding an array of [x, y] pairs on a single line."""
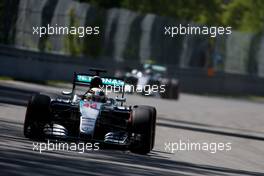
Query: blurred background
{"points": [[222, 80], [131, 34]]}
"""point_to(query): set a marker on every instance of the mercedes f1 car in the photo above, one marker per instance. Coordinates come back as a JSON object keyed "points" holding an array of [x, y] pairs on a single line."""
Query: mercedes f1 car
{"points": [[152, 75], [91, 116]]}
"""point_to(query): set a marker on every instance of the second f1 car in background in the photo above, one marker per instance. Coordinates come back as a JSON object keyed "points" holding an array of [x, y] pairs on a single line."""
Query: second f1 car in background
{"points": [[149, 78]]}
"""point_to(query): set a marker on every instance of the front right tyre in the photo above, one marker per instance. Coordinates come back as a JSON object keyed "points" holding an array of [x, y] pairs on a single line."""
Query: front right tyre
{"points": [[143, 125]]}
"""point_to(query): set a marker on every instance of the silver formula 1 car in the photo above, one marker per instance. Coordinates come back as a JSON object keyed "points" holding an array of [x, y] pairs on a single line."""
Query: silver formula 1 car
{"points": [[91, 116], [150, 76]]}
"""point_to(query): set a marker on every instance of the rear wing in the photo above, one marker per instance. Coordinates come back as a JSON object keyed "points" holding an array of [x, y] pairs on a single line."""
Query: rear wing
{"points": [[85, 80], [157, 68]]}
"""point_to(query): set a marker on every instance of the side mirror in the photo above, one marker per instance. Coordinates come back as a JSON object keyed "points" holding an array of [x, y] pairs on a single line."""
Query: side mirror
{"points": [[66, 92]]}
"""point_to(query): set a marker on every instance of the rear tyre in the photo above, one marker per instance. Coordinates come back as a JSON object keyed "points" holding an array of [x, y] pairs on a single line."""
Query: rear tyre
{"points": [[37, 115], [154, 116], [175, 90], [131, 81], [143, 124], [172, 90]]}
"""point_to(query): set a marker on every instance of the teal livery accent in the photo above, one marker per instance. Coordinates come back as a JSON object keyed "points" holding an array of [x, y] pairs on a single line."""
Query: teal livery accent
{"points": [[106, 81], [84, 78]]}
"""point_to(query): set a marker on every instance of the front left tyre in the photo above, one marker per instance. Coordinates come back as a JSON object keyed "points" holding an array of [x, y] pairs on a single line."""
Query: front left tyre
{"points": [[37, 115]]}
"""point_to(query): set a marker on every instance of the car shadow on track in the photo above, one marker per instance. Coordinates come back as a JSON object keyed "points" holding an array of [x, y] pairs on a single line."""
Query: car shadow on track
{"points": [[18, 158]]}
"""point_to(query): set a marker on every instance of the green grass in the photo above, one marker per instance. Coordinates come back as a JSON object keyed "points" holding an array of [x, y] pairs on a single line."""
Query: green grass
{"points": [[5, 78], [55, 82], [256, 98]]}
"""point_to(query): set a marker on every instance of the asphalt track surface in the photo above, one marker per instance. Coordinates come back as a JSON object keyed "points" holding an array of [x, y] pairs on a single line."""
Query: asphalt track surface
{"points": [[193, 118]]}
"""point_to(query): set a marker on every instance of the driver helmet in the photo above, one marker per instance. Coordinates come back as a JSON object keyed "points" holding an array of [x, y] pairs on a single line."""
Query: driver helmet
{"points": [[97, 95], [96, 82]]}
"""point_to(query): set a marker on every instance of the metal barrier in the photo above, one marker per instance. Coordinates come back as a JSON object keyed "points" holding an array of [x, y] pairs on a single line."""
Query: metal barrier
{"points": [[38, 66]]}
